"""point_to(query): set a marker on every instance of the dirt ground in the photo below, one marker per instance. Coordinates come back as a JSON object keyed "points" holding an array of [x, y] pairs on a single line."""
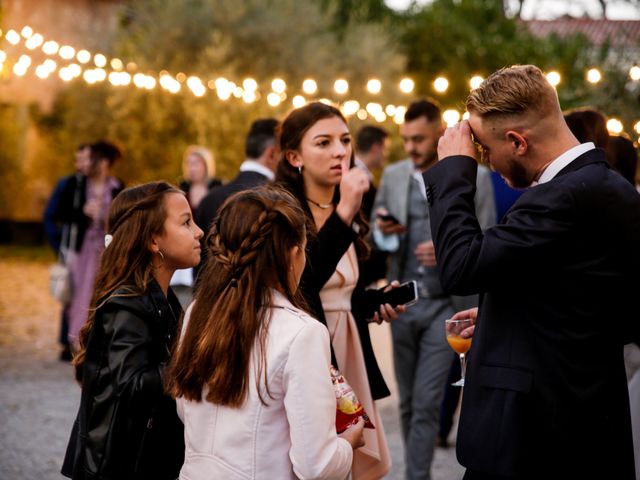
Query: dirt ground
{"points": [[39, 398]]}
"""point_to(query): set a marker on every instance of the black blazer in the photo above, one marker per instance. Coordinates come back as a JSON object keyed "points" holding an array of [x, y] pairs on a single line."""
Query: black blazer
{"points": [[323, 255], [546, 393]]}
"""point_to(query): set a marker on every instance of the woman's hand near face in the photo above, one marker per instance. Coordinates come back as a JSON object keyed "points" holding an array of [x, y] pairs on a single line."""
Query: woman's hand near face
{"points": [[353, 185]]}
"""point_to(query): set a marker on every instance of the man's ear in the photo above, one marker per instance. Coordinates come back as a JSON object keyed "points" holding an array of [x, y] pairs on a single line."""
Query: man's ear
{"points": [[293, 158], [518, 142]]}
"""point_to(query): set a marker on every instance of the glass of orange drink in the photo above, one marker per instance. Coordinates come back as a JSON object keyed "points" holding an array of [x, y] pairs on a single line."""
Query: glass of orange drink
{"points": [[459, 344]]}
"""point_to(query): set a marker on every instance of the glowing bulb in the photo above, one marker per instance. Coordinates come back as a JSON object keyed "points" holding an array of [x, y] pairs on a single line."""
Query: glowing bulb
{"points": [[441, 84], [50, 47], [116, 64], [390, 110], [249, 96], [374, 86], [100, 74], [278, 85], [636, 127], [374, 108], [399, 115], [20, 69], [465, 116], [299, 101], [150, 83], [67, 52], [237, 92], [140, 80], [594, 75], [407, 85], [12, 37], [83, 56], [25, 60], [451, 117], [3, 56], [350, 107], [634, 72], [74, 70], [27, 31], [380, 117], [475, 81], [341, 86], [100, 60], [554, 78], [34, 42], [181, 77], [362, 114], [193, 82], [42, 72], [223, 93], [309, 86], [65, 74], [89, 76], [614, 126], [273, 99], [250, 85]]}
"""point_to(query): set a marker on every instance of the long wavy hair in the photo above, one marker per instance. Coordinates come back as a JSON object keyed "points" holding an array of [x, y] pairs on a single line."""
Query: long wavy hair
{"points": [[291, 132], [249, 248], [135, 216]]}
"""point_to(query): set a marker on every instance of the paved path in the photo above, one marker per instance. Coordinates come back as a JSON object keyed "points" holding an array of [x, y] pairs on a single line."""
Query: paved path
{"points": [[38, 397]]}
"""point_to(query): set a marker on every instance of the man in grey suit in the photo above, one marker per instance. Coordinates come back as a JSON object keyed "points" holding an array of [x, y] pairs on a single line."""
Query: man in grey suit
{"points": [[421, 355]]}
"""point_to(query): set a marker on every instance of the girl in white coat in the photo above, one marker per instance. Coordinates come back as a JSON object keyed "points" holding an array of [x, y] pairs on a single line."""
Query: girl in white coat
{"points": [[251, 373]]}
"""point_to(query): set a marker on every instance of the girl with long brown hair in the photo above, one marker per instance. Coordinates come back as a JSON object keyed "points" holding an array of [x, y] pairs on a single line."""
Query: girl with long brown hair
{"points": [[127, 427], [251, 373], [317, 168]]}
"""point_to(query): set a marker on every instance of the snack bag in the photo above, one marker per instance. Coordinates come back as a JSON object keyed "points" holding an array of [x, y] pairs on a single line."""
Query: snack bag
{"points": [[348, 407]]}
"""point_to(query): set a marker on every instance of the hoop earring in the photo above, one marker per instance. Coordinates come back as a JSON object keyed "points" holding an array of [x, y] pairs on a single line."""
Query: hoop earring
{"points": [[300, 169], [161, 255]]}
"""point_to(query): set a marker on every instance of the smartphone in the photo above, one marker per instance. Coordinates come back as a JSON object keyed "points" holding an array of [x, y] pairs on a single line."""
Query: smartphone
{"points": [[406, 294], [388, 218]]}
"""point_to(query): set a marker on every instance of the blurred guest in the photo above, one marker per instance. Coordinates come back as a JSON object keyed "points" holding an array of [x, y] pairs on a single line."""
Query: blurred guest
{"points": [[127, 427], [88, 211], [545, 393], [62, 237], [199, 174], [198, 169], [317, 168], [372, 151], [623, 157], [588, 125], [251, 373]]}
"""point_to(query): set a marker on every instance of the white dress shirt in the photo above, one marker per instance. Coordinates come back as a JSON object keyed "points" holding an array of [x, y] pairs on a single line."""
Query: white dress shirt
{"points": [[253, 166], [563, 160]]}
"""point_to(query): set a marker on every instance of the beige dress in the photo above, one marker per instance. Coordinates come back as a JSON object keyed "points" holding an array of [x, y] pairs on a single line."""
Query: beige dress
{"points": [[373, 460]]}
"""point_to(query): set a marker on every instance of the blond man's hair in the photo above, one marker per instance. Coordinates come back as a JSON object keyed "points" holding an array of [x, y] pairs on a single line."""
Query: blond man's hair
{"points": [[514, 91]]}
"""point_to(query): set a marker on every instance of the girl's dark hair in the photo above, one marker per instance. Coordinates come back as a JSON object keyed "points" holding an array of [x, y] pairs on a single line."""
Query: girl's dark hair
{"points": [[249, 248], [292, 130], [135, 215]]}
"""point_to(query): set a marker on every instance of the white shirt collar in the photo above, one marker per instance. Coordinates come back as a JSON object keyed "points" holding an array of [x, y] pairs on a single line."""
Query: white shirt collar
{"points": [[253, 166], [563, 160]]}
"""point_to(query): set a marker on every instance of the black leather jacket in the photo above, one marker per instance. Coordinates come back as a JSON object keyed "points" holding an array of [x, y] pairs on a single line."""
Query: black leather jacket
{"points": [[127, 428]]}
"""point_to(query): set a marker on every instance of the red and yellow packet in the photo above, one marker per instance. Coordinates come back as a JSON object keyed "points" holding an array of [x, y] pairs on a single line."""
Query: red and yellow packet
{"points": [[348, 407]]}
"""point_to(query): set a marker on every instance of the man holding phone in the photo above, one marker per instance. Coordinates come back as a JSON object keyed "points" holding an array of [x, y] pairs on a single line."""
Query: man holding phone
{"points": [[422, 356]]}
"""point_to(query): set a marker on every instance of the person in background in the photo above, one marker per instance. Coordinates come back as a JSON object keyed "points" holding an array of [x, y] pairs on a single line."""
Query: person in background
{"points": [[88, 211], [545, 392], [59, 235], [127, 427], [257, 169], [422, 357], [198, 169], [317, 167], [623, 157], [372, 152], [251, 373]]}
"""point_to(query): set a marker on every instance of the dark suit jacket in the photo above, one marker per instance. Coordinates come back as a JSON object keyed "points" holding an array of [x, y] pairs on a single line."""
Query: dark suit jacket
{"points": [[211, 203], [323, 254], [546, 393]]}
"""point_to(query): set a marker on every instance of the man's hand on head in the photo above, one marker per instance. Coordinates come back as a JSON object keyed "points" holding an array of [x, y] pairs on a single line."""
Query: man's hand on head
{"points": [[457, 141]]}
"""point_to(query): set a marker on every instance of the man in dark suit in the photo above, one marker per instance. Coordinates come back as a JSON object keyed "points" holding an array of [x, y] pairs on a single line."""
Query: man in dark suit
{"points": [[372, 151], [259, 168], [545, 393]]}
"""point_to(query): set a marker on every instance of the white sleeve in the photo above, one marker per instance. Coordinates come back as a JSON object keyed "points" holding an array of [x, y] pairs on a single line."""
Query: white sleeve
{"points": [[316, 450]]}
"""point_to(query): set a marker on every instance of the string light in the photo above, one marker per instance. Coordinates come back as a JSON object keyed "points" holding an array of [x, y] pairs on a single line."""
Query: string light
{"points": [[309, 86], [441, 84], [50, 47], [554, 78], [249, 96], [100, 60], [34, 41], [273, 99], [614, 126], [298, 101], [390, 110], [475, 82], [594, 75], [250, 85], [341, 86], [350, 107], [451, 117], [362, 114], [374, 86], [636, 127], [67, 52], [407, 85], [12, 37], [278, 85], [634, 73], [27, 31], [83, 56]]}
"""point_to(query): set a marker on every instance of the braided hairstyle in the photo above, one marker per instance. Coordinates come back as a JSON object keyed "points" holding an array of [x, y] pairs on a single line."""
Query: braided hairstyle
{"points": [[249, 248], [135, 216]]}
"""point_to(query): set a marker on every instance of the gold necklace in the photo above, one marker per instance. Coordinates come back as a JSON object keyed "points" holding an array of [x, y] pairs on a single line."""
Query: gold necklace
{"points": [[323, 206]]}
